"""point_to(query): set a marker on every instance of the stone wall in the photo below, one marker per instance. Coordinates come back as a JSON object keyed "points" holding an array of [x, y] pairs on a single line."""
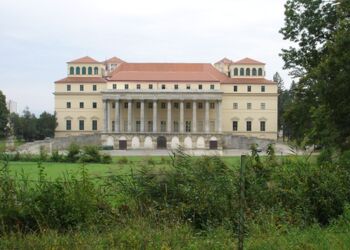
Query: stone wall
{"points": [[242, 142]]}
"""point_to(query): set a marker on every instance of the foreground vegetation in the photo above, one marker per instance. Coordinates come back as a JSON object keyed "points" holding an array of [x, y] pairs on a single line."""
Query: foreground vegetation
{"points": [[177, 202]]}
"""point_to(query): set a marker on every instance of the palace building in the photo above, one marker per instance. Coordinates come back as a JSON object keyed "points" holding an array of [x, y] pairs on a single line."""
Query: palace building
{"points": [[164, 105]]}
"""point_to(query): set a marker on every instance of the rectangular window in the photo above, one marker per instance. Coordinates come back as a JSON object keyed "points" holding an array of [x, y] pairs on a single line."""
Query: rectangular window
{"points": [[94, 105], [249, 105], [212, 86], [113, 126], [200, 105], [188, 126], [138, 105], [69, 88], [188, 86], [163, 105], [126, 86], [262, 126], [81, 105], [212, 105], [234, 125], [162, 126], [114, 86], [200, 126], [150, 105], [200, 86], [249, 88], [113, 105], [138, 126], [176, 126], [68, 125], [163, 86], [81, 124], [150, 86], [94, 124], [235, 88], [94, 87], [69, 105], [81, 87], [150, 126], [235, 105], [125, 105], [176, 86], [249, 126], [262, 88], [188, 105], [263, 105], [138, 86], [176, 105]]}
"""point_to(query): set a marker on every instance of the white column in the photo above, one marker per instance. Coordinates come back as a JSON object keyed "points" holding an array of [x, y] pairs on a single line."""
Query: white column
{"points": [[206, 117], [181, 116], [155, 116], [194, 117], [129, 115], [117, 117], [218, 116], [142, 116], [169, 117], [106, 119]]}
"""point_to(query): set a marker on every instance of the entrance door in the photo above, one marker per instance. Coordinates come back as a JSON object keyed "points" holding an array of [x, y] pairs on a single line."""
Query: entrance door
{"points": [[122, 144], [213, 144], [161, 142]]}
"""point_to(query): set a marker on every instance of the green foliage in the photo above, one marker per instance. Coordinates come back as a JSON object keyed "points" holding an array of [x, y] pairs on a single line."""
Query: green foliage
{"points": [[90, 154], [73, 154], [123, 160], [4, 113]]}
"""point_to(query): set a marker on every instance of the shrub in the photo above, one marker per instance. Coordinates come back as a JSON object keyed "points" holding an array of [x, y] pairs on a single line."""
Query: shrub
{"points": [[56, 156], [73, 153], [123, 160], [90, 154], [106, 159]]}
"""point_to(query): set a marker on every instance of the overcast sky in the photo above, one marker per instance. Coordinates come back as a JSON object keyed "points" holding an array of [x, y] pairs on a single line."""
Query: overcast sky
{"points": [[38, 37]]}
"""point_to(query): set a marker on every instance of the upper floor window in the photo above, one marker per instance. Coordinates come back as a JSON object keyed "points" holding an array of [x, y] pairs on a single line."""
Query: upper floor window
{"points": [[235, 88], [138, 105], [262, 126], [71, 70], [81, 105], [94, 87], [81, 87], [260, 72], [249, 126], [69, 105], [94, 105], [81, 124], [162, 105], [247, 71], [150, 86], [188, 105], [235, 71], [249, 88], [263, 105], [212, 86], [96, 71], [94, 124], [249, 105], [262, 88], [176, 86], [188, 86], [176, 105], [200, 86], [235, 105], [77, 70], [150, 105], [254, 72], [241, 72], [234, 125], [126, 105], [163, 86], [68, 125], [90, 70], [138, 86], [114, 86], [126, 86], [69, 87], [200, 105], [83, 71], [212, 105]]}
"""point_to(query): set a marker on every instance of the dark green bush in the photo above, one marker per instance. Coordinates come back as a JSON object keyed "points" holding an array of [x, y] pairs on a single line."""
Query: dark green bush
{"points": [[90, 154], [106, 159], [73, 154], [123, 160]]}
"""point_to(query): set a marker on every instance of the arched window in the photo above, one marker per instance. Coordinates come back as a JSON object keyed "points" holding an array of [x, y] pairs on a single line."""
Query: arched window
{"points": [[96, 71], [241, 72], [247, 72], [77, 71], [235, 71], [83, 71], [260, 72], [254, 71], [71, 70], [90, 70]]}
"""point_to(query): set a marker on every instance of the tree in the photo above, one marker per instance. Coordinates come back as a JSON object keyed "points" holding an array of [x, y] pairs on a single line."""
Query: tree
{"points": [[4, 113], [319, 112], [46, 125]]}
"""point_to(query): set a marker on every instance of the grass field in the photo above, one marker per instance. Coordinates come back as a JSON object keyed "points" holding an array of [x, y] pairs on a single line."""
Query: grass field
{"points": [[55, 170]]}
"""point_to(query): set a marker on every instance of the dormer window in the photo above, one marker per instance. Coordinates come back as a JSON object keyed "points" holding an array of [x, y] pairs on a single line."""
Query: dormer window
{"points": [[77, 70], [90, 70], [260, 72], [247, 72], [96, 71], [83, 71], [235, 72], [71, 70], [241, 72], [254, 71]]}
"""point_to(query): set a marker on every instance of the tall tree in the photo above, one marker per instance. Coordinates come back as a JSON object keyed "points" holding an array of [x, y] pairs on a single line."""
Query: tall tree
{"points": [[4, 113], [46, 125]]}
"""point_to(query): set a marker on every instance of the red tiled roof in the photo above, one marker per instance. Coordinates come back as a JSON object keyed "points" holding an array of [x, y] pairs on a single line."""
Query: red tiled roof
{"points": [[85, 59], [82, 80], [114, 59], [248, 61], [225, 61], [164, 72]]}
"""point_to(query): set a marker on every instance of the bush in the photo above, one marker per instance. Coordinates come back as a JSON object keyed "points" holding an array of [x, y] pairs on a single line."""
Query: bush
{"points": [[73, 154], [56, 156], [90, 154], [106, 159], [123, 160]]}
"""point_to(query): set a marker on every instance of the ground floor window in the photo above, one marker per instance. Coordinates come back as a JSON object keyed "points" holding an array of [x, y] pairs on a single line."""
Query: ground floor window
{"points": [[176, 126], [68, 125], [262, 126], [150, 126], [188, 126], [234, 125], [162, 126], [249, 126], [138, 126], [94, 124], [81, 124]]}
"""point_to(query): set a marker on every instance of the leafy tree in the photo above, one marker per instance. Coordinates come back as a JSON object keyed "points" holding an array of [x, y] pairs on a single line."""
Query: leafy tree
{"points": [[46, 125], [3, 115]]}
